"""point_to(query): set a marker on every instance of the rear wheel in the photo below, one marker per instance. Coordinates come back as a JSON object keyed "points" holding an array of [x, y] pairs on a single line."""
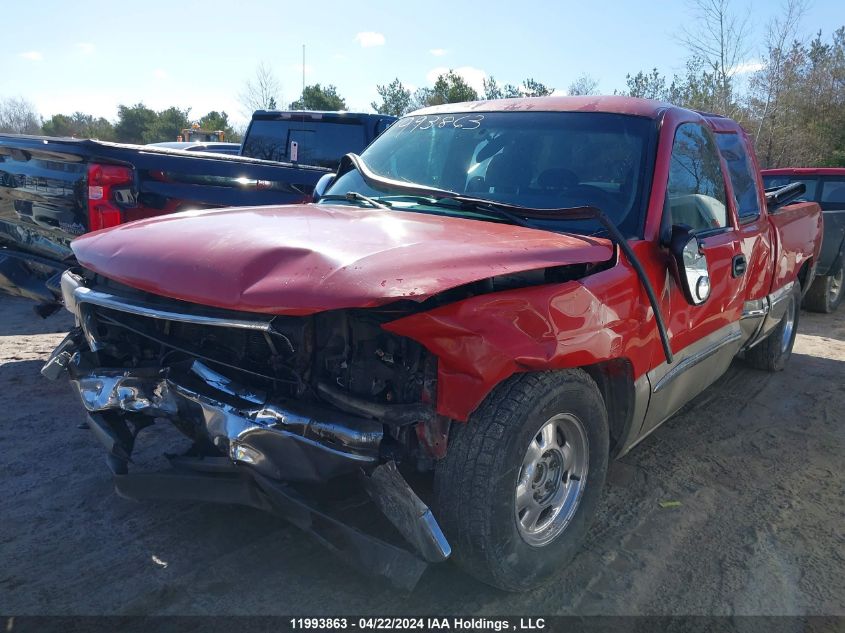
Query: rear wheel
{"points": [[826, 293], [771, 353], [518, 488]]}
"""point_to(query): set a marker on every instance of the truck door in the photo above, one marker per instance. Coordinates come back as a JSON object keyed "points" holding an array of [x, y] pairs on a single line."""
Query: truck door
{"points": [[704, 338], [755, 231]]}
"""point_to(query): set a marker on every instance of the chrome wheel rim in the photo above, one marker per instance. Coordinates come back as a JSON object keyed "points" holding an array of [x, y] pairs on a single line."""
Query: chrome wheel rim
{"points": [[551, 479], [836, 285], [788, 325]]}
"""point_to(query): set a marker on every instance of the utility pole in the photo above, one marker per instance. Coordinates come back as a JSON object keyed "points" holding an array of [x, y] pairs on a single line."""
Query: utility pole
{"points": [[303, 73]]}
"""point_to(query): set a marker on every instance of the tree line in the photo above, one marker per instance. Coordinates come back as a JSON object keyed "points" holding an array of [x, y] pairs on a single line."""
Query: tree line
{"points": [[792, 104], [791, 98], [134, 124]]}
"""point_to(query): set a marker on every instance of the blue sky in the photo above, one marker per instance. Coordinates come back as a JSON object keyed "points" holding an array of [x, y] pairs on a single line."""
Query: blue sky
{"points": [[92, 55]]}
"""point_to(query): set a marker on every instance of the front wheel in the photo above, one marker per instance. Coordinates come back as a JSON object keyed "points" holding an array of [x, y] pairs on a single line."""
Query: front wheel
{"points": [[519, 485], [771, 353]]}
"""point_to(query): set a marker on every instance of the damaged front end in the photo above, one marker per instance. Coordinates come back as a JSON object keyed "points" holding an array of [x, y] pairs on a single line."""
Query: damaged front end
{"points": [[306, 416]]}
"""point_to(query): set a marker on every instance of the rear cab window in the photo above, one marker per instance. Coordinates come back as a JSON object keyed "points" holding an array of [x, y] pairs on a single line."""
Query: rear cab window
{"points": [[833, 194], [742, 174], [320, 142], [775, 182]]}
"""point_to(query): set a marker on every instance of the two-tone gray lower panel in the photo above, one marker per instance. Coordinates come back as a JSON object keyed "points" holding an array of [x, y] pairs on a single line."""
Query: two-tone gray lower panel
{"points": [[696, 367]]}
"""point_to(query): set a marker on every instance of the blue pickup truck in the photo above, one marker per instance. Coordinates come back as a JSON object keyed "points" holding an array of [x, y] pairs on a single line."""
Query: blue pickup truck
{"points": [[55, 189]]}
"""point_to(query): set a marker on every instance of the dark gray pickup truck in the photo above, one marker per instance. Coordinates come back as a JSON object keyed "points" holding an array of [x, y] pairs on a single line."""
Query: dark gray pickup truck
{"points": [[55, 189]]}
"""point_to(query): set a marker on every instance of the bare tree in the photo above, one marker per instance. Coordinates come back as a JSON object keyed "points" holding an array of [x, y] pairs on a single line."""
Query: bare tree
{"points": [[584, 85], [18, 116], [262, 92], [772, 81], [721, 41]]}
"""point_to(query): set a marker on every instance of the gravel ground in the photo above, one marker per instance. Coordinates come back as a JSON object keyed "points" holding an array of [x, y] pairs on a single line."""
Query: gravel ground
{"points": [[756, 462]]}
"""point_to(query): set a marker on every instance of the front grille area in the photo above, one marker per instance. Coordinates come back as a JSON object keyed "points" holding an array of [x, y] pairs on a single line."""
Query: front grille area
{"points": [[284, 356], [279, 356]]}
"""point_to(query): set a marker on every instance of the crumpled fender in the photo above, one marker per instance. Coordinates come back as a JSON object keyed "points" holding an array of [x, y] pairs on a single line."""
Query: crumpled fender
{"points": [[483, 340]]}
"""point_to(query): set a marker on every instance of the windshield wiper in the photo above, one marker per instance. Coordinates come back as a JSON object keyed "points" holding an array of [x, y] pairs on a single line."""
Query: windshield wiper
{"points": [[354, 196], [518, 214], [488, 207]]}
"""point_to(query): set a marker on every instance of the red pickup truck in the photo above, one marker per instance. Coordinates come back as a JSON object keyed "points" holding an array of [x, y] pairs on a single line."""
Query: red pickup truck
{"points": [[483, 308]]}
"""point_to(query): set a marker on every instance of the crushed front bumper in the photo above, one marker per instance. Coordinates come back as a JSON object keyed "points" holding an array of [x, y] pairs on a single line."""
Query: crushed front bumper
{"points": [[264, 455], [278, 442]]}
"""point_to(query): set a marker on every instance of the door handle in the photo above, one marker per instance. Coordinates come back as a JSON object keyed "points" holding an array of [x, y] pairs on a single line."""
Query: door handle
{"points": [[738, 266]]}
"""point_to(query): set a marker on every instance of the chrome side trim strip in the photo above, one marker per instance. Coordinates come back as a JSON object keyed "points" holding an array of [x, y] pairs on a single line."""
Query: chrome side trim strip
{"points": [[695, 359], [755, 308], [778, 294], [105, 300]]}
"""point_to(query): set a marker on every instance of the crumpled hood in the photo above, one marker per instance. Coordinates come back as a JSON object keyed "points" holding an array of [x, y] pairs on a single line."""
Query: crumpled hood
{"points": [[302, 259]]}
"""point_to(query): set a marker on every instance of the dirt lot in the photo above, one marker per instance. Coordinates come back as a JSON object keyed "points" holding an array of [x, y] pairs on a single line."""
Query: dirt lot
{"points": [[756, 463]]}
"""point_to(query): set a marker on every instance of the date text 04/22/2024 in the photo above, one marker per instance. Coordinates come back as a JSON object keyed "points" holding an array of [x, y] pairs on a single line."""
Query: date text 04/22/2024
{"points": [[410, 624]]}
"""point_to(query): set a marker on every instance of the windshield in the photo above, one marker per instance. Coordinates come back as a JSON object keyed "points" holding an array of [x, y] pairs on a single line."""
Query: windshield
{"points": [[543, 160]]}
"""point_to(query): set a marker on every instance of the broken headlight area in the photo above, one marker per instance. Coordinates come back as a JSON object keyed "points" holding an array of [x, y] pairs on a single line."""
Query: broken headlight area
{"points": [[272, 405], [338, 365]]}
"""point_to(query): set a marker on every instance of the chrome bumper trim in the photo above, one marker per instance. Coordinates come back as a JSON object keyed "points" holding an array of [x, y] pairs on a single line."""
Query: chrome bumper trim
{"points": [[75, 294], [248, 432]]}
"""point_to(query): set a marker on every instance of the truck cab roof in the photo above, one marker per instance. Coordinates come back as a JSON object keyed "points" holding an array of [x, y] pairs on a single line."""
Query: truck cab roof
{"points": [[317, 114]]}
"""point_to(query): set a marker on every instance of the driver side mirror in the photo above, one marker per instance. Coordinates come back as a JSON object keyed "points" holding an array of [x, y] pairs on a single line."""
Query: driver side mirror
{"points": [[322, 186], [690, 264]]}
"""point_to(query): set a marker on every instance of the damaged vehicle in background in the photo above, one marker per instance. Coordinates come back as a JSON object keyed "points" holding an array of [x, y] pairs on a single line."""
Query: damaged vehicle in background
{"points": [[480, 311]]}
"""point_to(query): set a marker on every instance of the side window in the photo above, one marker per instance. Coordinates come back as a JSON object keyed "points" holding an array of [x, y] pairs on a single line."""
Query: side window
{"points": [[741, 171], [696, 188], [833, 194], [775, 182]]}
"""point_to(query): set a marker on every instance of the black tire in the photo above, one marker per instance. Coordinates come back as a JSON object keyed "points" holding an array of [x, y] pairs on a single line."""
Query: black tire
{"points": [[826, 292], [475, 484], [771, 353]]}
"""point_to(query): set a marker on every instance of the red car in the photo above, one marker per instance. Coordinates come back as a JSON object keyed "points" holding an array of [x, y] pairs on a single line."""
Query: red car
{"points": [[481, 310], [826, 186]]}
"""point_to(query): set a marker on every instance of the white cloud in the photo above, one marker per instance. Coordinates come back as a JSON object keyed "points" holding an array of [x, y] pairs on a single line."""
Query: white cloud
{"points": [[368, 39], [438, 52], [559, 92], [160, 73], [33, 56], [751, 66], [86, 48], [473, 76]]}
